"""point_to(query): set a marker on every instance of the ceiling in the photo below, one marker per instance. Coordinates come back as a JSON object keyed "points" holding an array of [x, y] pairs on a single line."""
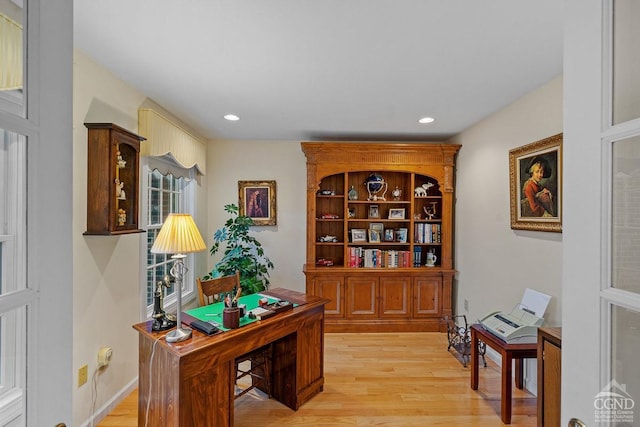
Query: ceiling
{"points": [[326, 69]]}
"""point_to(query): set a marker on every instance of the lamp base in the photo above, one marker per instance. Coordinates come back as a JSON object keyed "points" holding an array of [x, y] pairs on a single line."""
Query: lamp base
{"points": [[179, 334]]}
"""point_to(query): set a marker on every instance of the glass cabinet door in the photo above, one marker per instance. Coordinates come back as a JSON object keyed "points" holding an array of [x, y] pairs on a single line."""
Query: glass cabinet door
{"points": [[12, 53], [625, 61]]}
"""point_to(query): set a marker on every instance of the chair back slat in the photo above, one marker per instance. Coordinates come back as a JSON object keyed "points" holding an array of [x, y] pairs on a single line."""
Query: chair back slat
{"points": [[213, 290]]}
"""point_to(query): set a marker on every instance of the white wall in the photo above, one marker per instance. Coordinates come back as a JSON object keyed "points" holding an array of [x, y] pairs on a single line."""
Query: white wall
{"points": [[107, 269], [283, 161], [495, 263]]}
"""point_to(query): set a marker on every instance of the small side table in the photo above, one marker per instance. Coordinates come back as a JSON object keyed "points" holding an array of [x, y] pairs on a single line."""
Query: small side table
{"points": [[509, 353]]}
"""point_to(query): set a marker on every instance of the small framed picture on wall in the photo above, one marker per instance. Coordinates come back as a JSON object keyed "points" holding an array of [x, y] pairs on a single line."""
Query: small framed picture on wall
{"points": [[257, 200]]}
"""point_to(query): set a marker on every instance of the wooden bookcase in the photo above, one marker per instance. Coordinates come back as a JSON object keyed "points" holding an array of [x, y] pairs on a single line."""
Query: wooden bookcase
{"points": [[113, 183], [395, 291]]}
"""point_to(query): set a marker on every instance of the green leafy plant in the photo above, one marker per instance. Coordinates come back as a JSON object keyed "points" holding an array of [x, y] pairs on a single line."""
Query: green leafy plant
{"points": [[242, 252]]}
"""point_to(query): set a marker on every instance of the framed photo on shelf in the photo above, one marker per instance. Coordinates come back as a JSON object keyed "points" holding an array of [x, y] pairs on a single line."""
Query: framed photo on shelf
{"points": [[358, 235], [389, 235], [401, 235], [374, 211], [374, 236], [535, 175], [396, 213], [257, 200], [378, 226]]}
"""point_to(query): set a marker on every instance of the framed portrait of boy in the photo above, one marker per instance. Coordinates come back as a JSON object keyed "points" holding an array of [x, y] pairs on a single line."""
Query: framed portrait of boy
{"points": [[535, 177]]}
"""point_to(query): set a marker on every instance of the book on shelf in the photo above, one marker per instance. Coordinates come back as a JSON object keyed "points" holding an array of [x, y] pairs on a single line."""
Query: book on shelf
{"points": [[427, 233], [377, 258], [417, 256]]}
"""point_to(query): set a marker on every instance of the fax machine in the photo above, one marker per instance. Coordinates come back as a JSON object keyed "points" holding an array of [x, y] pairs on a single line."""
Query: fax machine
{"points": [[519, 326]]}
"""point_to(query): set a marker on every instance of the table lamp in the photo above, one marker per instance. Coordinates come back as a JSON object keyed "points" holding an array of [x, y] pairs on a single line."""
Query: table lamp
{"points": [[178, 236]]}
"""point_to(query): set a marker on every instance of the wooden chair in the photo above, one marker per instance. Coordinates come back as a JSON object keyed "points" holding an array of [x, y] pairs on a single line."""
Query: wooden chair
{"points": [[214, 290], [255, 363]]}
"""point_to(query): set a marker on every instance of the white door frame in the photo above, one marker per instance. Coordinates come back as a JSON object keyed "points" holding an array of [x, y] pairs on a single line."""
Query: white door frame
{"points": [[49, 294], [586, 350]]}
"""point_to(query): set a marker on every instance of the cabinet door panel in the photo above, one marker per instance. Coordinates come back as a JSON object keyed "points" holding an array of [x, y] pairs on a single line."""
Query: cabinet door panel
{"points": [[361, 297], [395, 296], [426, 294], [551, 398], [331, 287]]}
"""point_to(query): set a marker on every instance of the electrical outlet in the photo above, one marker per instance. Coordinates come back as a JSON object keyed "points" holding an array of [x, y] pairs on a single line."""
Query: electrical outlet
{"points": [[466, 305], [83, 375], [104, 356]]}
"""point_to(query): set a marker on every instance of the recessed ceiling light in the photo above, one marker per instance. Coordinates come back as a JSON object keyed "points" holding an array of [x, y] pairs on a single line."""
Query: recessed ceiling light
{"points": [[425, 120], [232, 117]]}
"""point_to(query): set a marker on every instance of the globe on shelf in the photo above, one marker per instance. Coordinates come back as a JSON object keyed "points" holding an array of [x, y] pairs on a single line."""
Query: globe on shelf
{"points": [[375, 184]]}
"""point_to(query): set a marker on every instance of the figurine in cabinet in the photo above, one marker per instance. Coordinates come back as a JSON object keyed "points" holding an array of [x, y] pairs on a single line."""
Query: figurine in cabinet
{"points": [[396, 193], [120, 194], [423, 190], [120, 161], [430, 210], [122, 217]]}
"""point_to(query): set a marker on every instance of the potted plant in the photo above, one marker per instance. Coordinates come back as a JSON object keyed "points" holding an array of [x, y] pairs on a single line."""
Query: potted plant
{"points": [[242, 252]]}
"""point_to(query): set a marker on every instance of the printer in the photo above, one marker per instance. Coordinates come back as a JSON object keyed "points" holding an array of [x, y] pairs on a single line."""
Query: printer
{"points": [[522, 323]]}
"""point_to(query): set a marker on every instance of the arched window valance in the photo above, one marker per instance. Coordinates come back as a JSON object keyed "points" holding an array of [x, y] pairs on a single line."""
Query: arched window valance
{"points": [[166, 139]]}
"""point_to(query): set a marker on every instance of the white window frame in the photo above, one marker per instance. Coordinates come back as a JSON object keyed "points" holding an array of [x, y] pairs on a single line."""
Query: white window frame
{"points": [[13, 236], [187, 205]]}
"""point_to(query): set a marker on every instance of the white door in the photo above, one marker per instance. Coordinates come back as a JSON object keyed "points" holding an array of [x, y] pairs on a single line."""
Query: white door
{"points": [[601, 226], [35, 213]]}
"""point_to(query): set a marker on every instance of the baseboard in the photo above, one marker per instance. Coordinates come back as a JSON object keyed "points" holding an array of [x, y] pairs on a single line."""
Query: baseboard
{"points": [[111, 404]]}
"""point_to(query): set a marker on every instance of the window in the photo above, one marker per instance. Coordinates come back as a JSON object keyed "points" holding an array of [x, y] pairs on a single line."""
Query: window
{"points": [[12, 56], [12, 275], [168, 192]]}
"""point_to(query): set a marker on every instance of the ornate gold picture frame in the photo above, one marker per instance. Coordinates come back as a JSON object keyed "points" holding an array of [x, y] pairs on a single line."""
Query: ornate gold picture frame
{"points": [[535, 176], [257, 200]]}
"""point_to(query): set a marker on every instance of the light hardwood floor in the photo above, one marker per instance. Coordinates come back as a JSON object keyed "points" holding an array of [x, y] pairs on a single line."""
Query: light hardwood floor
{"points": [[382, 379]]}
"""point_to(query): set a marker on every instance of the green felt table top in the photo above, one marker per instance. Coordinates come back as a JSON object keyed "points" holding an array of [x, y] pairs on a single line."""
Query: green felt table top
{"points": [[213, 312]]}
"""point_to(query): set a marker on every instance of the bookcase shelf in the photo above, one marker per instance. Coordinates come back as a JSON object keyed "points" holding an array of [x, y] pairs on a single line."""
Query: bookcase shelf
{"points": [[375, 273]]}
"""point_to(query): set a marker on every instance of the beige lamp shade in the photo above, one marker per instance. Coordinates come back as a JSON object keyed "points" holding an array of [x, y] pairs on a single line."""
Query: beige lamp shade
{"points": [[178, 235]]}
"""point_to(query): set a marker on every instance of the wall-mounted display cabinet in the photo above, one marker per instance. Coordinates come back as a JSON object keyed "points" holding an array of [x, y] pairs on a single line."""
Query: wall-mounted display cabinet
{"points": [[380, 233], [113, 160]]}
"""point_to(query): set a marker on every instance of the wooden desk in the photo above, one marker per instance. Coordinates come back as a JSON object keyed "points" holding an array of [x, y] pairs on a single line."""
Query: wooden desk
{"points": [[509, 352], [191, 383]]}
